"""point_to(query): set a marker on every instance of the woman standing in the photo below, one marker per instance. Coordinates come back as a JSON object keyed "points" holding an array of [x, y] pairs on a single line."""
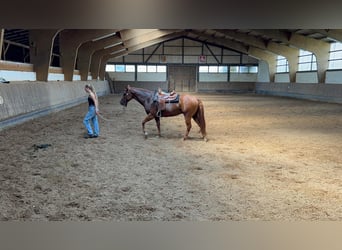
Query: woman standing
{"points": [[93, 110]]}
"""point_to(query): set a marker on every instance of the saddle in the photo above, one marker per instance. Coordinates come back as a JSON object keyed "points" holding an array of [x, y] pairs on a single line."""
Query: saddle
{"points": [[163, 99]]}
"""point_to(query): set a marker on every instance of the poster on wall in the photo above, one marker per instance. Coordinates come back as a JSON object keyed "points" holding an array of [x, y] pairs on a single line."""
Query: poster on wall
{"points": [[202, 59], [162, 59]]}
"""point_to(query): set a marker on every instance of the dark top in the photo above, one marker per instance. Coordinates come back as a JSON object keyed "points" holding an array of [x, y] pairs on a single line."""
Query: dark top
{"points": [[91, 101]]}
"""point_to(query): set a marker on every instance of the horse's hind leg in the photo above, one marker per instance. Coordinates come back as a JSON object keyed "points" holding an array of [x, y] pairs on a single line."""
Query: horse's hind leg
{"points": [[158, 124], [197, 122], [188, 126], [204, 136]]}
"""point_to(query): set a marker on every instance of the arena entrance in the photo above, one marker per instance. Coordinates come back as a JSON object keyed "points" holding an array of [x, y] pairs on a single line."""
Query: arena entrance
{"points": [[182, 78]]}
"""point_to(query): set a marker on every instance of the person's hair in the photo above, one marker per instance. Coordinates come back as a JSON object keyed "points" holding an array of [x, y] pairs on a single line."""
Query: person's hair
{"points": [[91, 87]]}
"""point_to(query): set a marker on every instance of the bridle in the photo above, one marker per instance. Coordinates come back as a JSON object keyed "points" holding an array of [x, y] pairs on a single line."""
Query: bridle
{"points": [[125, 94]]}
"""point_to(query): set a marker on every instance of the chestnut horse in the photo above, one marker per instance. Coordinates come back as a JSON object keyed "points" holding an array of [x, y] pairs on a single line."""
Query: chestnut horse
{"points": [[189, 106]]}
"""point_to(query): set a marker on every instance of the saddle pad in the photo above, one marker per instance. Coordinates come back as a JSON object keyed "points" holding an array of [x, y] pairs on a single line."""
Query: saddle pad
{"points": [[170, 99]]}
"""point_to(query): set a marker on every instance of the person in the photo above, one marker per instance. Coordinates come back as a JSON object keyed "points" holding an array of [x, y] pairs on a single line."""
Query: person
{"points": [[93, 111]]}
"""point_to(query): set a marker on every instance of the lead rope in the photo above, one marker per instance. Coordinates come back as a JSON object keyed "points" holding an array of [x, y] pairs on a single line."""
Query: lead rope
{"points": [[111, 120]]}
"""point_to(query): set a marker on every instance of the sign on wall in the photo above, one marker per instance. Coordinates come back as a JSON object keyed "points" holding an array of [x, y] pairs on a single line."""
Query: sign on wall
{"points": [[202, 59], [162, 59]]}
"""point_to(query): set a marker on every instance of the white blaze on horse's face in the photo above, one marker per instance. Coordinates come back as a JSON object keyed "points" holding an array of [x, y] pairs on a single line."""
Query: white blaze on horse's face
{"points": [[124, 100], [126, 97]]}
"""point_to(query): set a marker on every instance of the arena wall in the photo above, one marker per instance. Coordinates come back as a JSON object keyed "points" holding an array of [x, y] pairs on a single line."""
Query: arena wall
{"points": [[119, 86], [225, 87], [22, 101], [310, 91], [201, 87]]}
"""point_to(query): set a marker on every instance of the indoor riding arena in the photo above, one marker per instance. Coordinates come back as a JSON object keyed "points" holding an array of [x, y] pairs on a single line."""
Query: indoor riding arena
{"points": [[274, 132]]}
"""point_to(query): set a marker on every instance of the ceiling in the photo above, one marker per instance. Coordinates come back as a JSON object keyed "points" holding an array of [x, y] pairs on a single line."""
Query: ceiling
{"points": [[17, 40]]}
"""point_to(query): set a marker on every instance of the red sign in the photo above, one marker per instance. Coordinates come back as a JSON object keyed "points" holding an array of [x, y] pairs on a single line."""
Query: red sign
{"points": [[202, 59]]}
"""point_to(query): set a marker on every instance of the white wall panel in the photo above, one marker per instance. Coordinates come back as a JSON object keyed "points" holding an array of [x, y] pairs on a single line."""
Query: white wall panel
{"points": [[283, 77], [153, 77], [334, 77], [173, 50], [18, 75], [263, 73], [243, 77], [120, 76], [209, 77], [134, 58], [231, 59], [173, 59], [191, 59], [306, 77], [193, 51], [211, 59]]}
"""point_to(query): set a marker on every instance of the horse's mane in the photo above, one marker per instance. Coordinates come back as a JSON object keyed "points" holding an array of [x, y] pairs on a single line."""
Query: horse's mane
{"points": [[141, 89]]}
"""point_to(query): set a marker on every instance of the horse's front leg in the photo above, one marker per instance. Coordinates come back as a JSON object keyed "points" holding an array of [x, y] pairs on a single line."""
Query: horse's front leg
{"points": [[149, 117]]}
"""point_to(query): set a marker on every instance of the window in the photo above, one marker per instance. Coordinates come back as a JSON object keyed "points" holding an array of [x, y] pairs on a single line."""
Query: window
{"points": [[142, 68], [307, 61], [234, 69], [161, 68], [110, 68], [152, 68], [151, 73], [335, 56], [282, 65], [130, 68], [253, 69], [120, 68], [222, 69], [243, 69], [203, 69], [213, 69]]}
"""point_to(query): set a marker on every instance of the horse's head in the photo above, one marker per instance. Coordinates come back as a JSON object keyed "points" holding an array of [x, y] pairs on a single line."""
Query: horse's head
{"points": [[126, 96]]}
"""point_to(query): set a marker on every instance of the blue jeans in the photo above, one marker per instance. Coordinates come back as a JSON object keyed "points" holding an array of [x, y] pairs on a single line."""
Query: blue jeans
{"points": [[91, 116]]}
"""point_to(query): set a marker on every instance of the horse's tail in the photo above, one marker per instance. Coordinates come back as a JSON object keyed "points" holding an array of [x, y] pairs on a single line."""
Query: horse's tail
{"points": [[200, 119]]}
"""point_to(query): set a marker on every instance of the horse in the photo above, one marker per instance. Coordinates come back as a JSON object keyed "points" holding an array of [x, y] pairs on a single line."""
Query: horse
{"points": [[188, 105]]}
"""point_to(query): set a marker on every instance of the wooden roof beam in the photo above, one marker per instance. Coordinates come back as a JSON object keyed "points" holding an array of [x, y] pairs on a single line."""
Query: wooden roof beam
{"points": [[41, 43], [119, 52], [70, 41], [291, 54], [148, 36], [319, 48], [86, 50], [252, 51]]}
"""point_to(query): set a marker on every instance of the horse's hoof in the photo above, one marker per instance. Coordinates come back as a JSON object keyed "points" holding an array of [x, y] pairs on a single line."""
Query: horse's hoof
{"points": [[205, 139], [145, 134]]}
